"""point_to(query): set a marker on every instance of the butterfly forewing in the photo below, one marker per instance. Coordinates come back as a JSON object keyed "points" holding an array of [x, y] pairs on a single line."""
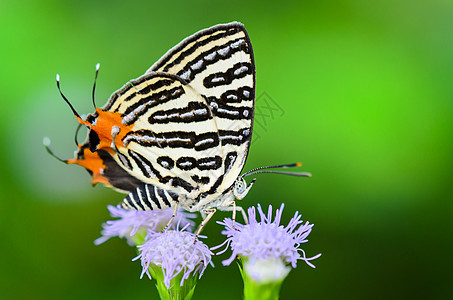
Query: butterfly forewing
{"points": [[218, 63]]}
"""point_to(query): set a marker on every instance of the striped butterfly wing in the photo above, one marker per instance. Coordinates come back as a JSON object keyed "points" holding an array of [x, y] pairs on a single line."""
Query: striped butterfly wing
{"points": [[218, 63], [168, 130]]}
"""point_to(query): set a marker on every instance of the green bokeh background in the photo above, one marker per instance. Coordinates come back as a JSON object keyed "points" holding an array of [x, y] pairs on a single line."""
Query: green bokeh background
{"points": [[364, 90]]}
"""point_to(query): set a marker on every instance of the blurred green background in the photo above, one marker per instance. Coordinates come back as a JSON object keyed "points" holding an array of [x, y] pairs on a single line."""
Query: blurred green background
{"points": [[360, 91]]}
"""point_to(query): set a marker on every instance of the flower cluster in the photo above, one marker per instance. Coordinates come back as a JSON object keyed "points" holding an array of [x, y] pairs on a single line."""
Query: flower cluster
{"points": [[267, 249], [133, 222], [264, 244], [173, 251]]}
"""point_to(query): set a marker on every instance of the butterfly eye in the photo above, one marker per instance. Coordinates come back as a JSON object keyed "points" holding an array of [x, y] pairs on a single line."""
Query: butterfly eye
{"points": [[240, 185], [241, 189]]}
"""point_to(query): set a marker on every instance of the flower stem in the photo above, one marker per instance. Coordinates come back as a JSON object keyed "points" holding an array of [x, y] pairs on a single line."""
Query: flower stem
{"points": [[175, 291], [256, 291], [139, 237]]}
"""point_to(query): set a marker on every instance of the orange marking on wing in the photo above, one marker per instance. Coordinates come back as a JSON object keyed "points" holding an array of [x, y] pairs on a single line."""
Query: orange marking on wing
{"points": [[92, 162]]}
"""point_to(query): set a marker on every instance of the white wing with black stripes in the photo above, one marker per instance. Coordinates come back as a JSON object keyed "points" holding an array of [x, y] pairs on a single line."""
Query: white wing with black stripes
{"points": [[218, 62], [168, 130], [189, 118]]}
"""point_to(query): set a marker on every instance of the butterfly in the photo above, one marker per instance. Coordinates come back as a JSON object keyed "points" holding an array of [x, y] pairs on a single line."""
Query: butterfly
{"points": [[179, 135]]}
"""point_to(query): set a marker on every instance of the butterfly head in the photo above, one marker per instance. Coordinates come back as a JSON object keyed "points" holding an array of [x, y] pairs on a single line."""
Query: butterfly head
{"points": [[241, 188]]}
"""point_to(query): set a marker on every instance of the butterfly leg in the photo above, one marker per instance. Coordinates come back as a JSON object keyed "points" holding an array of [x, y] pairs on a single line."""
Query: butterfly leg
{"points": [[234, 213], [232, 207], [208, 213], [172, 217], [244, 215]]}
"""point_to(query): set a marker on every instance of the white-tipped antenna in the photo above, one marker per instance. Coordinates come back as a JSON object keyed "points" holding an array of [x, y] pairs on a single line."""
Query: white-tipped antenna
{"points": [[46, 143], [66, 99], [98, 65], [263, 170], [298, 174]]}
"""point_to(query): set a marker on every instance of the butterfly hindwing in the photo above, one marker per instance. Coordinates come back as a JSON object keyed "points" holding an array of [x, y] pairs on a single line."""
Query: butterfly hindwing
{"points": [[104, 169]]}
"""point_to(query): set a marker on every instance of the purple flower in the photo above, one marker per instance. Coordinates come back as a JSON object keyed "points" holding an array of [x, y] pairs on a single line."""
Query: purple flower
{"points": [[267, 239], [131, 222], [174, 251]]}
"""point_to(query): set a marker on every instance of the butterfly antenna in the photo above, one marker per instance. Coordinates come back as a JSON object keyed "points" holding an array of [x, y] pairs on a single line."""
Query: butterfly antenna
{"points": [[98, 65], [298, 174], [46, 143], [76, 134], [263, 170], [66, 99], [298, 164]]}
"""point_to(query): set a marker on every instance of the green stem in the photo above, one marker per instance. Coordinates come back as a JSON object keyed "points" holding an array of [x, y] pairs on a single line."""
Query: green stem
{"points": [[175, 291], [256, 291], [139, 237]]}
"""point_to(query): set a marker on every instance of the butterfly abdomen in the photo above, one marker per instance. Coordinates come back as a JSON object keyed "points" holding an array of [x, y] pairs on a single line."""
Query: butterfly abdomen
{"points": [[149, 197]]}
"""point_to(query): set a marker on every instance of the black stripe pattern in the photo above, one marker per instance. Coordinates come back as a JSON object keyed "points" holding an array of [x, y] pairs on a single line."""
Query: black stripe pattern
{"points": [[134, 111], [173, 139], [193, 112], [217, 53], [144, 165], [238, 71], [149, 197], [233, 137], [189, 140], [235, 96], [212, 34]]}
